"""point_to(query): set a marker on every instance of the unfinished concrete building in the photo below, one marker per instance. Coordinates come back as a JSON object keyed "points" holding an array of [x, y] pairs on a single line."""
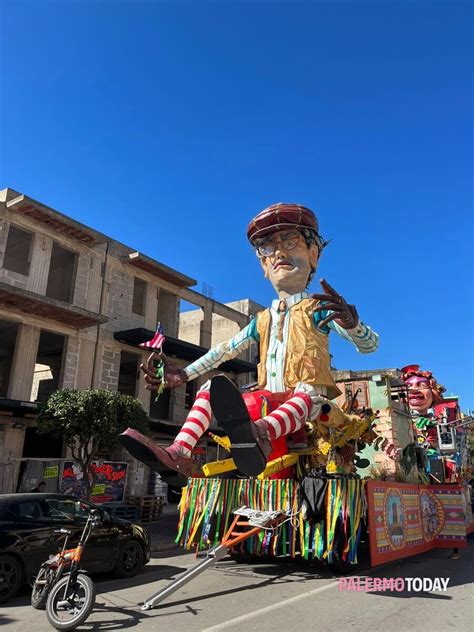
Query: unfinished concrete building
{"points": [[74, 304], [222, 328]]}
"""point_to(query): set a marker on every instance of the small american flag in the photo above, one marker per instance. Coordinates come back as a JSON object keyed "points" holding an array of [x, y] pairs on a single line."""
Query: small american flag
{"points": [[156, 342]]}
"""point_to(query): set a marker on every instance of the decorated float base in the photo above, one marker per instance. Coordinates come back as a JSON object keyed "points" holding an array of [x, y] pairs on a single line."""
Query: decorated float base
{"points": [[403, 519], [406, 519], [207, 504]]}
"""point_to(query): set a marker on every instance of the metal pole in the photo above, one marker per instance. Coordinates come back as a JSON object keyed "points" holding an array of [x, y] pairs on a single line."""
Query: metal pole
{"points": [[213, 555]]}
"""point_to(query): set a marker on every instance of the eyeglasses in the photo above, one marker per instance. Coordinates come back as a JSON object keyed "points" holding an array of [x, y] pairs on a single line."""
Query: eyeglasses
{"points": [[288, 240]]}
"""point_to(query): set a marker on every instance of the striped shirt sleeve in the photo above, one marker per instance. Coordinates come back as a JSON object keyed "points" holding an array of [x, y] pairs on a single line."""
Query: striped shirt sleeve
{"points": [[223, 352], [362, 337]]}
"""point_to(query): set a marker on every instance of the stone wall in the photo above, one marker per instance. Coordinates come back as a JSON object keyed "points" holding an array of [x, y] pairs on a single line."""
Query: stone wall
{"points": [[70, 362], [110, 368]]}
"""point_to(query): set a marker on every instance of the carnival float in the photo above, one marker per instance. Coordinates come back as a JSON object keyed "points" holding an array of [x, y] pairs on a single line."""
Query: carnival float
{"points": [[312, 462]]}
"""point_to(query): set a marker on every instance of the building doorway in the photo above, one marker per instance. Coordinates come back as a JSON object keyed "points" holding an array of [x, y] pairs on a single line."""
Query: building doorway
{"points": [[41, 449], [41, 446]]}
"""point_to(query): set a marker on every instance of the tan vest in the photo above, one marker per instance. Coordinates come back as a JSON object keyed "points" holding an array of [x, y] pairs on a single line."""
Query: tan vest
{"points": [[307, 356]]}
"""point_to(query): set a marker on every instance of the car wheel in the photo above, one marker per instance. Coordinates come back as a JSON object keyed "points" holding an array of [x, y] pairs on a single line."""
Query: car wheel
{"points": [[130, 559], [11, 576]]}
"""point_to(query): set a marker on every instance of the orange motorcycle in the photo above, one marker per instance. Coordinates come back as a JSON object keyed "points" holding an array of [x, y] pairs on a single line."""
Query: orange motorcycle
{"points": [[62, 586]]}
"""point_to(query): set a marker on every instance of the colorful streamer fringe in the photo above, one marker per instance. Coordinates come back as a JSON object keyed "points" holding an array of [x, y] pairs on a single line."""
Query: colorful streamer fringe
{"points": [[206, 514]]}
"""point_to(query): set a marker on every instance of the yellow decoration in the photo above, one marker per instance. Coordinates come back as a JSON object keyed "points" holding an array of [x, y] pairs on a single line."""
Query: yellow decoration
{"points": [[323, 445], [224, 442], [287, 460], [218, 467]]}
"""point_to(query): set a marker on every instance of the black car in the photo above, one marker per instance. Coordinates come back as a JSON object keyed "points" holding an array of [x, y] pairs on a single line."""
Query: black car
{"points": [[28, 524]]}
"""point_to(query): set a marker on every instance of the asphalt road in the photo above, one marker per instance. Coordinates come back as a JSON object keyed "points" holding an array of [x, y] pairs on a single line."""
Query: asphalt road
{"points": [[269, 597]]}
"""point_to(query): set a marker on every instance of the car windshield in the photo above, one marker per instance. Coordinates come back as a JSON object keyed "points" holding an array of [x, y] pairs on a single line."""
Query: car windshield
{"points": [[30, 510], [68, 509]]}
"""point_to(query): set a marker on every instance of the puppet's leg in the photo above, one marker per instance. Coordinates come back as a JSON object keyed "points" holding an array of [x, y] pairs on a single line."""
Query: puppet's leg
{"points": [[197, 422], [178, 455], [250, 442], [249, 447], [289, 417]]}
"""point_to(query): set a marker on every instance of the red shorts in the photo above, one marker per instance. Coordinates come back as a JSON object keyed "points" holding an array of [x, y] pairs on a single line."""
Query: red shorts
{"points": [[259, 404]]}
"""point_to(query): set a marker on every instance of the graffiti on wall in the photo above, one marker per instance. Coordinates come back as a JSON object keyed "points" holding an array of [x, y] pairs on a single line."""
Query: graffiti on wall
{"points": [[109, 484]]}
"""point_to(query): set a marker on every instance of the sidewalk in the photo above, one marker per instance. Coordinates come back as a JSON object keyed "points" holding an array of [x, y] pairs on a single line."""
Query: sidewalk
{"points": [[163, 532]]}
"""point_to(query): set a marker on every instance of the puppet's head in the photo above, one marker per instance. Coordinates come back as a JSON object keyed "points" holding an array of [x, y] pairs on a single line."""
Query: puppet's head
{"points": [[424, 392], [288, 244]]}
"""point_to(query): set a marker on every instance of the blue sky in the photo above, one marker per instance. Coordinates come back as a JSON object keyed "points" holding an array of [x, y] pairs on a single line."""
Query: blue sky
{"points": [[169, 125]]}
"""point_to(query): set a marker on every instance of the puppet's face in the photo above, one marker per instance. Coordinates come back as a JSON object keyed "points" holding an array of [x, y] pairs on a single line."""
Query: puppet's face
{"points": [[420, 396], [287, 261]]}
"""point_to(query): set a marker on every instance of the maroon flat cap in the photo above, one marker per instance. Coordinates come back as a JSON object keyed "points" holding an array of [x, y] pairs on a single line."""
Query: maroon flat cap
{"points": [[280, 216]]}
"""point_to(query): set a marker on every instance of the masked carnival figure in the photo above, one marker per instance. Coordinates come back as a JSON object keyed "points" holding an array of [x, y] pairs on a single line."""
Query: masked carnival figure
{"points": [[294, 371], [424, 393]]}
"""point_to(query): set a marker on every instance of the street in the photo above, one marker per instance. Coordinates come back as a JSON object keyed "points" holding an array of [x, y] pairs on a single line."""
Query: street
{"points": [[267, 597]]}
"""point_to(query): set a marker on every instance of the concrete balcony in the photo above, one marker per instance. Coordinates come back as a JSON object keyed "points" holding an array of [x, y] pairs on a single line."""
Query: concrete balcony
{"points": [[19, 300]]}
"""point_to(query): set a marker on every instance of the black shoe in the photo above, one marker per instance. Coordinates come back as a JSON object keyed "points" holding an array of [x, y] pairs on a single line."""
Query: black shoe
{"points": [[248, 446]]}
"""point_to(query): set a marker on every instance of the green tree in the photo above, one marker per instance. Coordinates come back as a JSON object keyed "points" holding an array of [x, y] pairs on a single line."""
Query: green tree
{"points": [[90, 421]]}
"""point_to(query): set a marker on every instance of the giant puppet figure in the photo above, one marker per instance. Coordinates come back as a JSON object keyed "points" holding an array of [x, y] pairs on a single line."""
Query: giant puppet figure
{"points": [[292, 335], [424, 393]]}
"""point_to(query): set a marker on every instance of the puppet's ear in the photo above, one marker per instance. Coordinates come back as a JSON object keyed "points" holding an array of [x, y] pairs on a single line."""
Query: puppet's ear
{"points": [[265, 265], [313, 256]]}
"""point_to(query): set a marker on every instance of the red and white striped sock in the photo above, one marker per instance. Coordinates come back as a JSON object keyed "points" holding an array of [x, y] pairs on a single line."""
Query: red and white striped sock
{"points": [[196, 424], [289, 417]]}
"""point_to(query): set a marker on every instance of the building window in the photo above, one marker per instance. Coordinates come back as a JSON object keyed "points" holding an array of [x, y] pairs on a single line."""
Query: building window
{"points": [[39, 446], [191, 389], [161, 409], [139, 296], [49, 362], [18, 250], [167, 312], [128, 373], [8, 333], [62, 274]]}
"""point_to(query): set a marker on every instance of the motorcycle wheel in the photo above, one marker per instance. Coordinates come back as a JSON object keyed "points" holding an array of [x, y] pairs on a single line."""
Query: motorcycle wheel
{"points": [[65, 611], [41, 587]]}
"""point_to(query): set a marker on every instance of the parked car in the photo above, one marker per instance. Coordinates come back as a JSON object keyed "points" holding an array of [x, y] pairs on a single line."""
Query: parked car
{"points": [[28, 525]]}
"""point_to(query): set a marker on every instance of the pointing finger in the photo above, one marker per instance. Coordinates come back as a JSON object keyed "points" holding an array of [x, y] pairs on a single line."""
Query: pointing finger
{"points": [[328, 288], [325, 297]]}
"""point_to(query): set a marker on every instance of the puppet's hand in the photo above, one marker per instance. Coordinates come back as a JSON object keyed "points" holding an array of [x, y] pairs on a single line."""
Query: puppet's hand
{"points": [[173, 376], [343, 314]]}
